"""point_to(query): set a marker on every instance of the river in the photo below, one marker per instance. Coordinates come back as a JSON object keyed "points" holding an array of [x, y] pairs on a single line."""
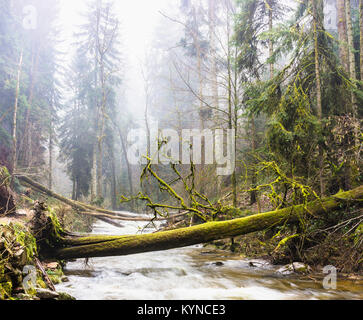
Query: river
{"points": [[193, 273]]}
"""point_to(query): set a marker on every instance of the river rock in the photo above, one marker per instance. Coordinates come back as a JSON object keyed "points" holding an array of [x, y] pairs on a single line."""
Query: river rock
{"points": [[295, 267], [46, 294]]}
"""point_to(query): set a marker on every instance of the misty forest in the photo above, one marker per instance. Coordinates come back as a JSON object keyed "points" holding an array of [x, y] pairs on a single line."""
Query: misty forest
{"points": [[187, 149]]}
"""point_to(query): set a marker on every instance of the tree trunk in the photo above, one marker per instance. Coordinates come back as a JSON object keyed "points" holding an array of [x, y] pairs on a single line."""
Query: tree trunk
{"points": [[213, 52], [353, 76], [94, 173], [270, 43], [101, 133], [99, 167], [319, 108], [27, 141], [103, 246], [50, 169], [235, 127], [74, 190], [14, 151], [129, 171], [361, 37], [342, 32], [352, 65], [96, 107], [253, 195], [113, 179], [231, 105], [317, 61]]}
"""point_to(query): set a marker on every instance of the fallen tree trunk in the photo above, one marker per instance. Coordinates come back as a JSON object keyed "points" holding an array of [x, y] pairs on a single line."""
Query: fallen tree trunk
{"points": [[102, 246], [102, 214], [74, 204]]}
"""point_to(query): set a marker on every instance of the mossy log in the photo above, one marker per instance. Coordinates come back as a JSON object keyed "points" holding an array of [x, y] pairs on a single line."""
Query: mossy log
{"points": [[102, 246]]}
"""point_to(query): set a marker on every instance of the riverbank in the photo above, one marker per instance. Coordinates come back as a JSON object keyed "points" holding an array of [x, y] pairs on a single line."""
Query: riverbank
{"points": [[22, 275]]}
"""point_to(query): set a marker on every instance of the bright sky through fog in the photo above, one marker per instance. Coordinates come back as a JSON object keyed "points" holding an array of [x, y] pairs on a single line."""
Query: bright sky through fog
{"points": [[138, 20]]}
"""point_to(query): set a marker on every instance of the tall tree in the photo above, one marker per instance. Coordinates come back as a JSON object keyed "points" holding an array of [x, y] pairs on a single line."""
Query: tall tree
{"points": [[351, 50], [75, 131], [212, 17], [361, 38], [15, 117], [255, 18], [342, 32], [319, 108], [99, 40]]}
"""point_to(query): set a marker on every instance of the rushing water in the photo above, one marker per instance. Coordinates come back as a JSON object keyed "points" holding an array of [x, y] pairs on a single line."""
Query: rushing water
{"points": [[193, 273]]}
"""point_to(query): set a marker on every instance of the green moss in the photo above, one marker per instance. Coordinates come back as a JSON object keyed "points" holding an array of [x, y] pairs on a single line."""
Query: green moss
{"points": [[41, 283], [4, 176], [357, 236], [58, 230], [25, 239], [55, 275], [5, 290], [359, 230]]}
